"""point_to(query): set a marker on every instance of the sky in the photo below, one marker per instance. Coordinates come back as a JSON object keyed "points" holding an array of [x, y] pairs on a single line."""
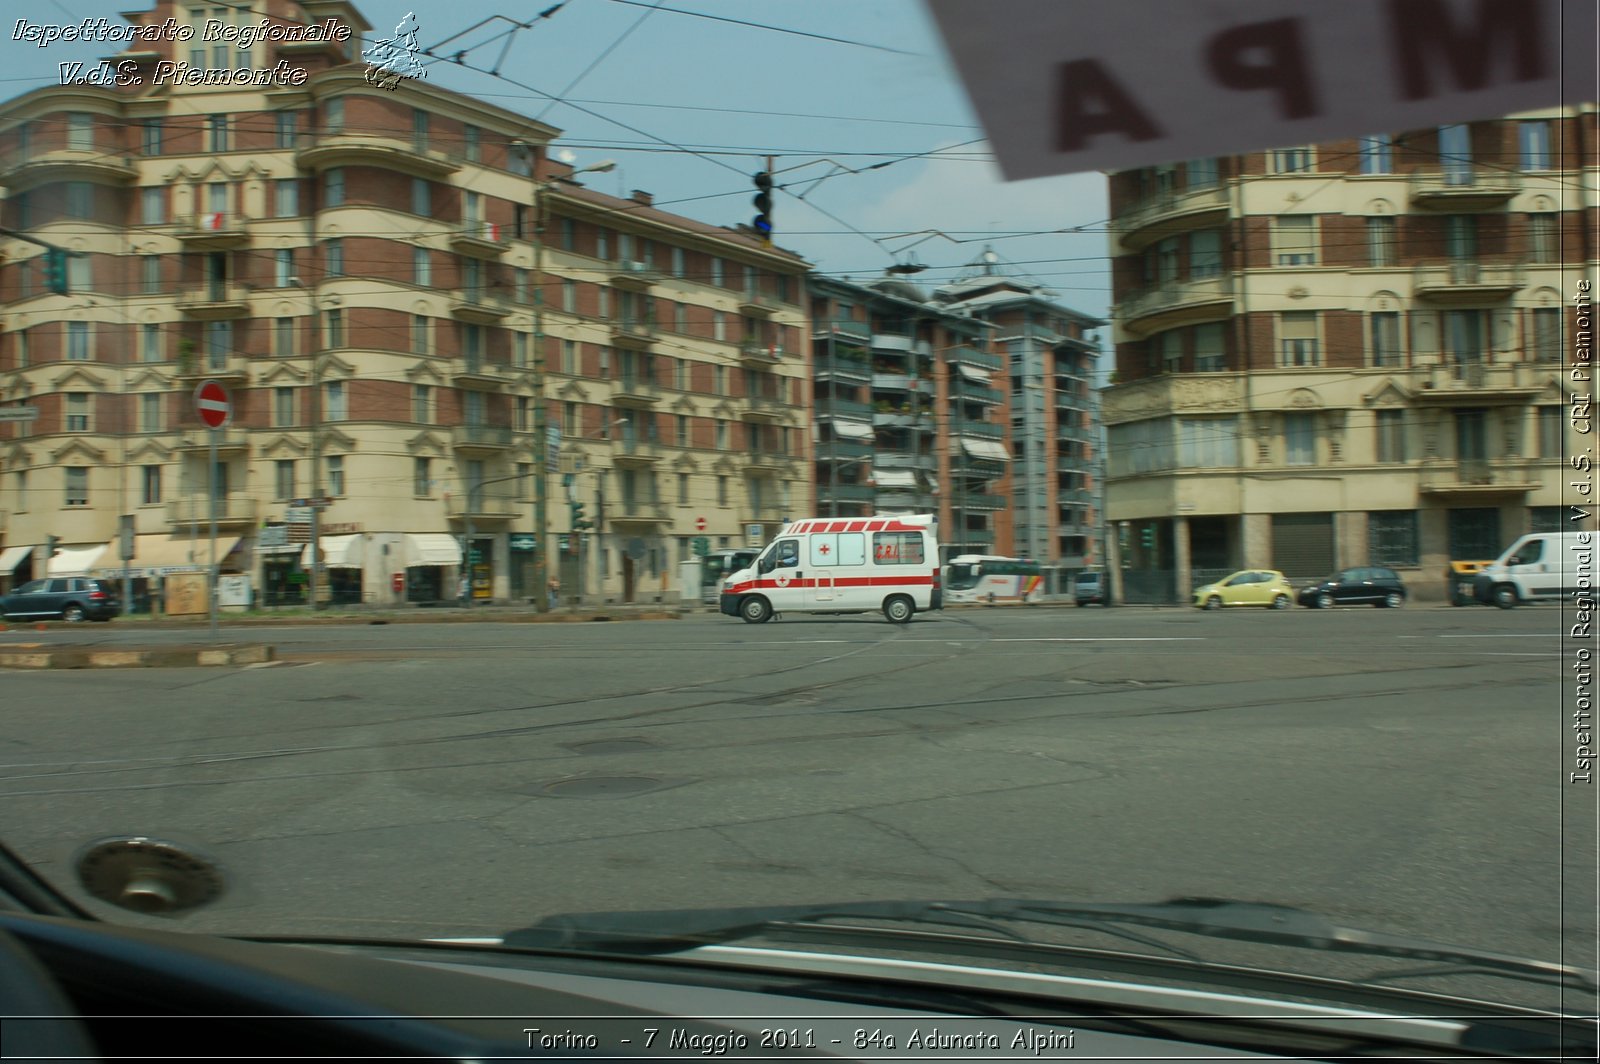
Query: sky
{"points": [[689, 106]]}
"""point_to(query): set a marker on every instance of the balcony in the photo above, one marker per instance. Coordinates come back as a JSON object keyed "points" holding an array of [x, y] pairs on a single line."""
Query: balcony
{"points": [[636, 512], [842, 450], [23, 171], [1476, 478], [212, 231], [635, 276], [1479, 383], [482, 240], [768, 462], [230, 440], [850, 370], [484, 505], [1081, 496], [1467, 283], [479, 306], [1464, 187], [375, 150], [968, 466], [760, 353], [854, 409], [481, 439], [961, 388], [982, 430], [904, 419], [900, 382], [195, 511], [764, 408], [902, 460], [756, 305], [214, 302], [971, 356], [892, 342], [978, 500], [481, 375], [633, 390], [1199, 393], [1170, 213], [637, 334], [845, 492], [1176, 303], [635, 452], [231, 368], [858, 331]]}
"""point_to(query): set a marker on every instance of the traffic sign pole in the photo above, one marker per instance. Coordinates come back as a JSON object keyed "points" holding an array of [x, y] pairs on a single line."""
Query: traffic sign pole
{"points": [[211, 403], [214, 567]]}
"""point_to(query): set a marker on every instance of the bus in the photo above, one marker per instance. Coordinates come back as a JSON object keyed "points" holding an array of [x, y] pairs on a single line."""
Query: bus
{"points": [[717, 566], [986, 578]]}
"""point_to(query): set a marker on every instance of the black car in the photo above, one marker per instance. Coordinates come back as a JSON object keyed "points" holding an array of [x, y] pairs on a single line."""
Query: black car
{"points": [[1364, 585], [71, 598]]}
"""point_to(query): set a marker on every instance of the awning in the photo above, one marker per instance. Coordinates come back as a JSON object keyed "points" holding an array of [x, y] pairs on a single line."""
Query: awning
{"points": [[894, 478], [991, 449], [340, 552], [851, 430], [76, 561], [159, 554], [973, 373], [431, 548], [12, 557]]}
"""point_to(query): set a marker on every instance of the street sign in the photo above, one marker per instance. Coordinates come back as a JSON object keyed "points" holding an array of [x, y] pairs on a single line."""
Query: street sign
{"points": [[211, 402], [19, 413], [523, 542], [699, 524], [553, 439], [320, 503], [637, 549], [565, 544], [475, 556]]}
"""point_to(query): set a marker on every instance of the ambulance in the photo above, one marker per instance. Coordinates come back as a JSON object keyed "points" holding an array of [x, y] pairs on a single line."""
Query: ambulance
{"points": [[842, 565]]}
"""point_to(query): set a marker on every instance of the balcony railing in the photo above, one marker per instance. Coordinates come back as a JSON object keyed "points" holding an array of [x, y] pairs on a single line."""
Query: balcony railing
{"points": [[485, 240], [768, 461], [214, 301], [633, 389], [756, 305], [480, 373], [21, 170], [902, 460], [227, 439], [1467, 281], [977, 393], [973, 357], [634, 276], [843, 368], [765, 407], [373, 149], [226, 367], [481, 437], [1168, 213], [1464, 186], [982, 430], [842, 450], [1451, 380], [633, 451], [1176, 303], [760, 353], [977, 500], [636, 511], [636, 333], [492, 503], [854, 409], [480, 305], [212, 231], [194, 510], [882, 341], [1477, 476]]}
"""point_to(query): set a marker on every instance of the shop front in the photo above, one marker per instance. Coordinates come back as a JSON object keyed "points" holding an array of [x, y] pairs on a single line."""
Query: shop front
{"points": [[432, 560]]}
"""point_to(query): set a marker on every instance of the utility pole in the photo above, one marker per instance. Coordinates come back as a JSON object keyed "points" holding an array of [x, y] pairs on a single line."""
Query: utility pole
{"points": [[541, 445]]}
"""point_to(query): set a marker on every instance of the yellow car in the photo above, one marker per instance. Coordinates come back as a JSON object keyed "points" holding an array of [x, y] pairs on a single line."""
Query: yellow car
{"points": [[1248, 587]]}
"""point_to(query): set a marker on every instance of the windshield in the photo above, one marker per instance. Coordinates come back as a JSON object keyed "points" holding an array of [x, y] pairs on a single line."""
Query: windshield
{"points": [[377, 440]]}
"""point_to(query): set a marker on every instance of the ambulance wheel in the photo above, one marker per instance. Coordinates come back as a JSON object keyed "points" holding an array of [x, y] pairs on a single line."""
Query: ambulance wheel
{"points": [[899, 609], [755, 610]]}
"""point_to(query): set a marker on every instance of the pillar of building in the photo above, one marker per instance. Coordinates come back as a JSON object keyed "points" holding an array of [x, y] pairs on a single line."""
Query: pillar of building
{"points": [[1350, 542], [1255, 533], [1113, 562], [1180, 557]]}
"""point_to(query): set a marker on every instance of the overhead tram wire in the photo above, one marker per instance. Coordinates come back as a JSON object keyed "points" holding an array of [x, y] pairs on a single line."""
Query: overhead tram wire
{"points": [[774, 29]]}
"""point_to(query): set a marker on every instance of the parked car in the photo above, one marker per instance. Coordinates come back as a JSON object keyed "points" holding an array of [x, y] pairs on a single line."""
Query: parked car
{"points": [[71, 598], [1364, 585], [1248, 587], [1091, 588]]}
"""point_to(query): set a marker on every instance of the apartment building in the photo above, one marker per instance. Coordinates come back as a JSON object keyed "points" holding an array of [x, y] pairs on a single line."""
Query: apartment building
{"points": [[910, 403], [1349, 353], [399, 288]]}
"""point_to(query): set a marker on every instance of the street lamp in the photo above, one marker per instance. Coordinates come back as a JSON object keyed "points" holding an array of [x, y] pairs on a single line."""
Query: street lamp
{"points": [[316, 450], [541, 446]]}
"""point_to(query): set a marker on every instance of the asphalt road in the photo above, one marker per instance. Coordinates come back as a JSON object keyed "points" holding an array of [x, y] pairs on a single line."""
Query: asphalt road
{"points": [[1397, 770]]}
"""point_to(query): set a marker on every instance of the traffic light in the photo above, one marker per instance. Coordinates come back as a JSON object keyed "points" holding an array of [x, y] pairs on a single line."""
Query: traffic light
{"points": [[763, 202], [51, 545], [579, 523], [1147, 537], [55, 271]]}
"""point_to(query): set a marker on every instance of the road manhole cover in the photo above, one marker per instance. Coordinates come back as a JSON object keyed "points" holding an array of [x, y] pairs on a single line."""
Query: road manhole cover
{"points": [[600, 747], [606, 787]]}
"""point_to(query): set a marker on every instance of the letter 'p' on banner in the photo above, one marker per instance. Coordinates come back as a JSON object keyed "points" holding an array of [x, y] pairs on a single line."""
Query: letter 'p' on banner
{"points": [[1067, 86]]}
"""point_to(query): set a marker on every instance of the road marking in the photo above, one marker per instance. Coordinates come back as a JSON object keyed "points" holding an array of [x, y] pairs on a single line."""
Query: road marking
{"points": [[1102, 639], [1508, 635]]}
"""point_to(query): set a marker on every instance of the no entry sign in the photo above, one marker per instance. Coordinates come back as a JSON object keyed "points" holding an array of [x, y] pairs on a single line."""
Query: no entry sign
{"points": [[211, 401]]}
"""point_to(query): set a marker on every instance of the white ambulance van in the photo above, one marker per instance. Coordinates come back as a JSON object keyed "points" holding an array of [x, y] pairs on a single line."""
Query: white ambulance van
{"points": [[842, 565], [1540, 567]]}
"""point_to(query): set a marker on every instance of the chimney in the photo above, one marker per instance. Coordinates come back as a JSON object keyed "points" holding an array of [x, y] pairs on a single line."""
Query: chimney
{"points": [[643, 198]]}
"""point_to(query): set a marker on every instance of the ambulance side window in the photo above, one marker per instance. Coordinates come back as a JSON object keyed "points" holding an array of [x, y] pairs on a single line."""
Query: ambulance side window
{"points": [[897, 548]]}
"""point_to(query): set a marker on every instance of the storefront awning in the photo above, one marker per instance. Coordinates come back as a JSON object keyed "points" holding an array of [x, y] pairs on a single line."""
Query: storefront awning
{"points": [[341, 552], [76, 561], [991, 449], [12, 557], [894, 478], [973, 373], [851, 430], [158, 555], [431, 548]]}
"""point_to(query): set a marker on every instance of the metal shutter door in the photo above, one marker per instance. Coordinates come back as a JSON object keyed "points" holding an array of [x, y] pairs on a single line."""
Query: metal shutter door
{"points": [[1302, 545]]}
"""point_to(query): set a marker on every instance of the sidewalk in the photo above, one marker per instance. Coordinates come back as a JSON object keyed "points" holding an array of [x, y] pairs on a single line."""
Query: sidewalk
{"points": [[300, 615]]}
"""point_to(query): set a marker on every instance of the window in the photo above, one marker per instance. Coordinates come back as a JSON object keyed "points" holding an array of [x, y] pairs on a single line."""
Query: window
{"points": [[1205, 254], [519, 349], [1377, 154], [1167, 260], [336, 474], [419, 130], [1297, 335], [150, 273], [1202, 173], [569, 420], [286, 198], [719, 326], [1299, 439], [1210, 355], [472, 143], [1385, 332], [720, 375], [472, 342], [1380, 241], [1533, 142], [1547, 334], [282, 267], [77, 486], [152, 485], [217, 134], [1455, 154], [218, 342], [1543, 239], [419, 334], [80, 199], [422, 267], [1294, 240], [1463, 335], [472, 206], [683, 489], [722, 490], [716, 271], [422, 476], [333, 187], [150, 342], [519, 284], [898, 548], [150, 136], [283, 337], [520, 161], [333, 402], [150, 412], [333, 115], [153, 206], [283, 407], [569, 235], [77, 411], [1461, 238], [519, 414], [79, 276], [602, 243], [80, 131], [1392, 538], [421, 197], [569, 296], [283, 479], [677, 262], [1291, 161], [333, 327], [569, 357], [422, 403], [1552, 442], [288, 128], [1208, 443], [77, 341], [333, 255], [217, 197], [1390, 445], [680, 317], [604, 301]]}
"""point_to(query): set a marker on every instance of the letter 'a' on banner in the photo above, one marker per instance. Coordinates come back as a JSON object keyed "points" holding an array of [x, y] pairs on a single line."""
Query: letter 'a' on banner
{"points": [[1067, 87]]}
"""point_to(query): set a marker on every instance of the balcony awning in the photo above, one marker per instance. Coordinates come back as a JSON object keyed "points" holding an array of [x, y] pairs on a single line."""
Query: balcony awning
{"points": [[973, 373], [76, 561], [431, 548], [12, 557], [846, 429], [894, 478], [340, 552], [991, 449], [158, 555]]}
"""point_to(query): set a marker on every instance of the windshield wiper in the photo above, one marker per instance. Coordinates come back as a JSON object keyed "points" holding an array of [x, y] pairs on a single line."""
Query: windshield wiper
{"points": [[675, 930]]}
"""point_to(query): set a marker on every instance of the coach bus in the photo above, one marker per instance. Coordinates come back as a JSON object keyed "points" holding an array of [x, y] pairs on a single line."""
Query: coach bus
{"points": [[989, 579]]}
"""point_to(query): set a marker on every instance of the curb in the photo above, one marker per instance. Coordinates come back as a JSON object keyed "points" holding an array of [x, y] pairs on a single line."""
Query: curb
{"points": [[154, 658], [419, 617]]}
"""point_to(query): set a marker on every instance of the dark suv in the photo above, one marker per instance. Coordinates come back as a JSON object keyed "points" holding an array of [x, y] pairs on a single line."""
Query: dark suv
{"points": [[71, 598], [1363, 585]]}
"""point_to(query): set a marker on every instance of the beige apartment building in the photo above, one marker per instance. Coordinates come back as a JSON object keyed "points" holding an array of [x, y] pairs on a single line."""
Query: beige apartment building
{"points": [[1350, 353], [387, 281]]}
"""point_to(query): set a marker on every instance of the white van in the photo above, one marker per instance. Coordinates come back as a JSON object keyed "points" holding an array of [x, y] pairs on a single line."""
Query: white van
{"points": [[842, 565], [1541, 567]]}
